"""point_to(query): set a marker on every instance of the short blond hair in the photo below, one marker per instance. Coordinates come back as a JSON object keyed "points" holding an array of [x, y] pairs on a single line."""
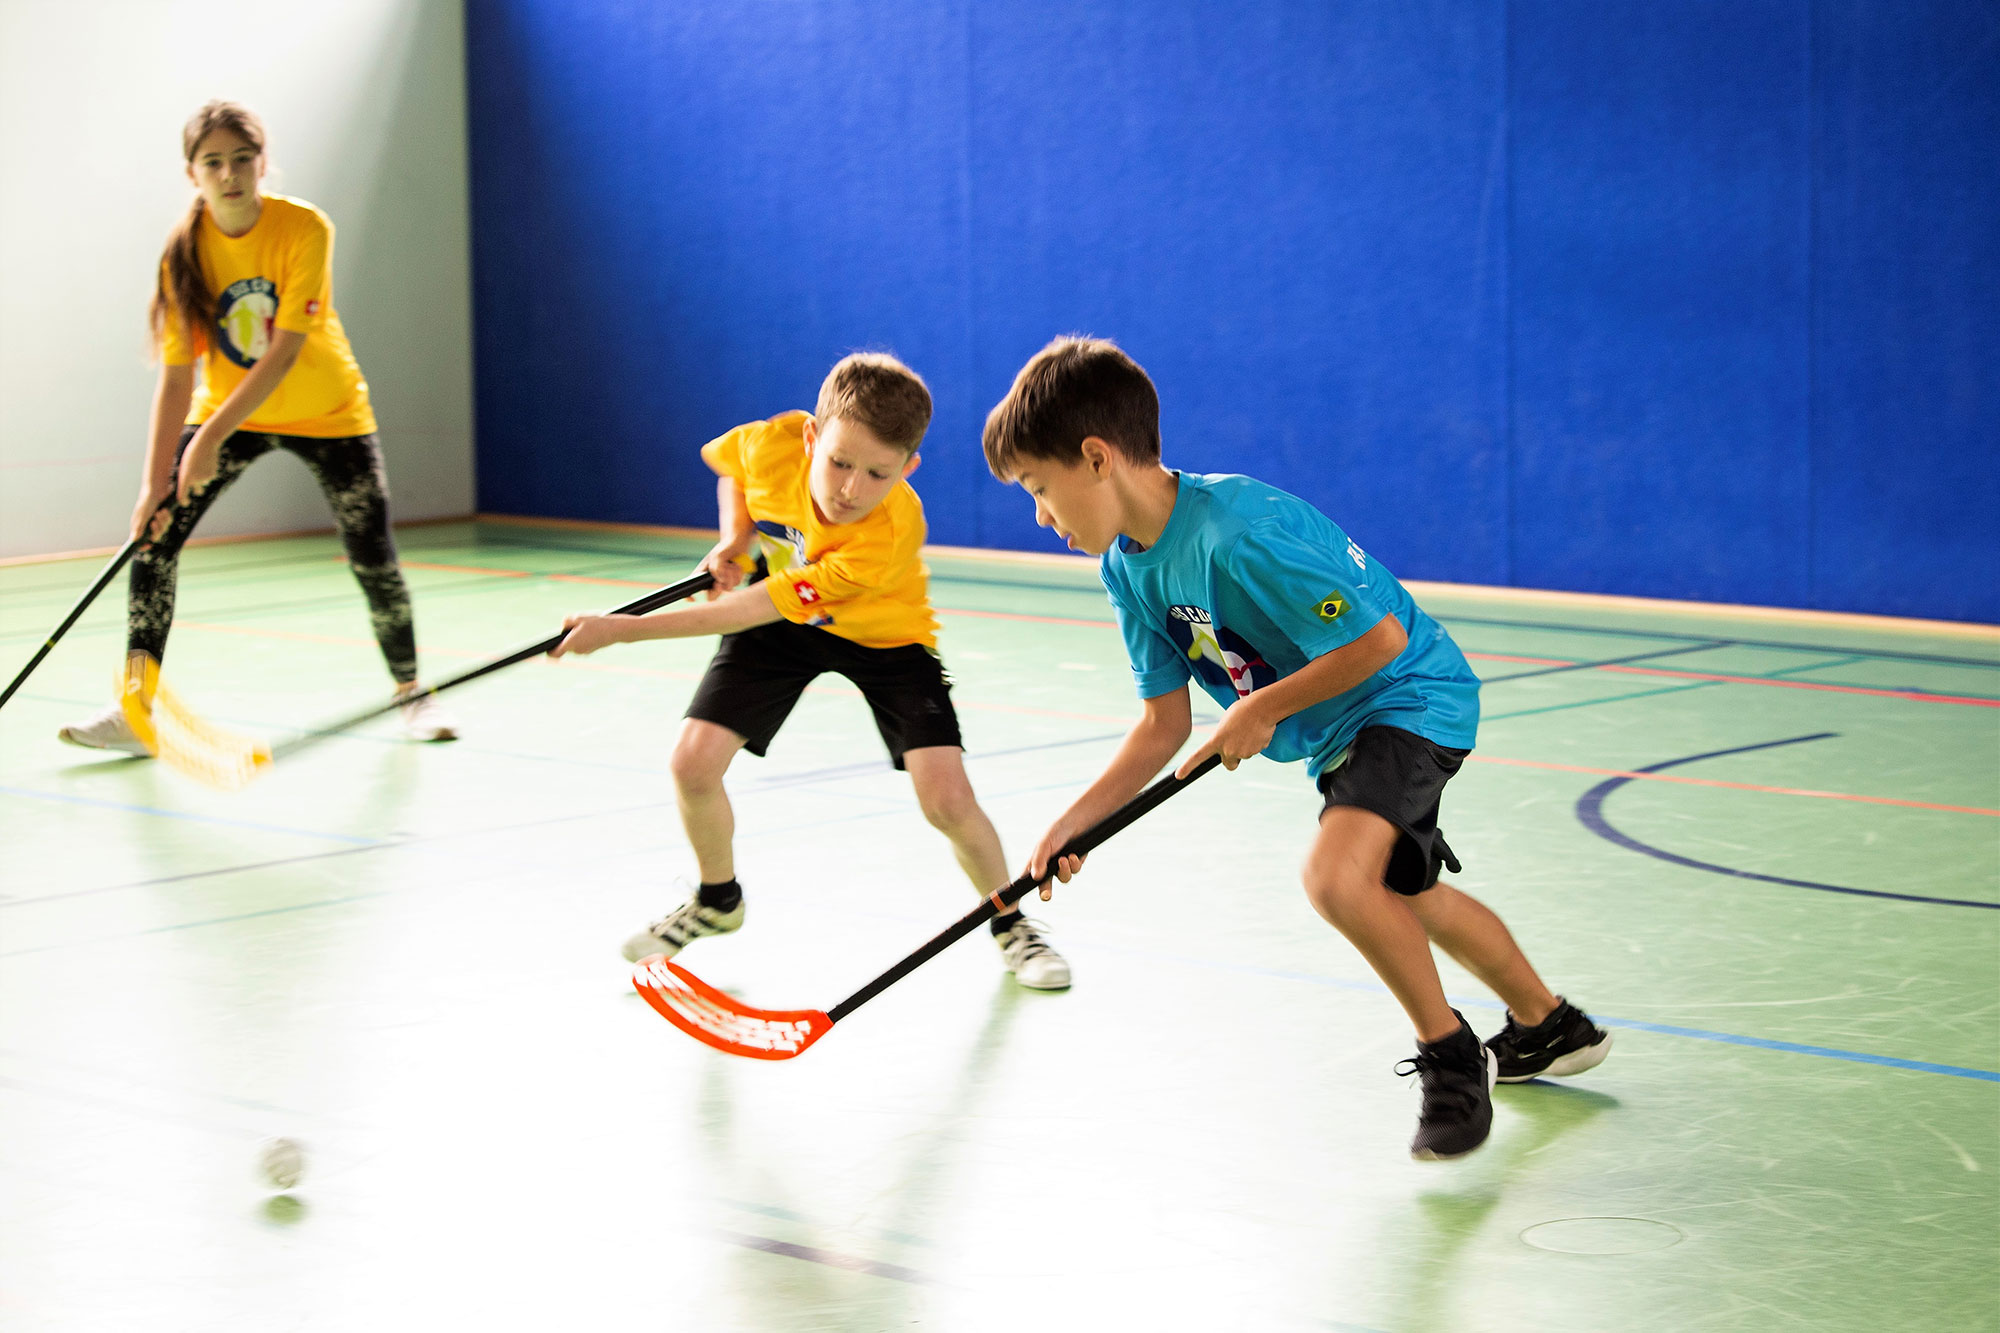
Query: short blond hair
{"points": [[875, 390]]}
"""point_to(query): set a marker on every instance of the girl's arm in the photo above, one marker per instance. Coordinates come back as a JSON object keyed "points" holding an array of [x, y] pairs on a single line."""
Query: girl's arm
{"points": [[171, 397], [745, 608], [198, 464]]}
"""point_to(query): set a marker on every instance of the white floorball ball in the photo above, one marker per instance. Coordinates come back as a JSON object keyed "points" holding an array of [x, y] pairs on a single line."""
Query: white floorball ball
{"points": [[281, 1162]]}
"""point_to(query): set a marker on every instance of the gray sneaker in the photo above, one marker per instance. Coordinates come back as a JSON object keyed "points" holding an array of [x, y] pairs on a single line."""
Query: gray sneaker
{"points": [[1031, 958], [425, 719], [107, 730], [674, 931]]}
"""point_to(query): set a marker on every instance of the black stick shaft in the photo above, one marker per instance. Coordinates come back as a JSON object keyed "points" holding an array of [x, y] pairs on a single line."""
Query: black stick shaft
{"points": [[652, 601], [109, 573], [1090, 838]]}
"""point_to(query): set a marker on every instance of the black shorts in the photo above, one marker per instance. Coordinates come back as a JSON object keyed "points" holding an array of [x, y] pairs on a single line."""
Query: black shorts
{"points": [[757, 676], [1399, 775]]}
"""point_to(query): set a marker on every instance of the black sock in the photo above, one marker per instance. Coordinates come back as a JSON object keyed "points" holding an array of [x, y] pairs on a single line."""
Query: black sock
{"points": [[724, 897], [1003, 924]]}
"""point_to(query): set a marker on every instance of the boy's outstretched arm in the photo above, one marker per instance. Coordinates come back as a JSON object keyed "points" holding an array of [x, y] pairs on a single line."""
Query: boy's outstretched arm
{"points": [[745, 608], [1153, 740], [1246, 727]]}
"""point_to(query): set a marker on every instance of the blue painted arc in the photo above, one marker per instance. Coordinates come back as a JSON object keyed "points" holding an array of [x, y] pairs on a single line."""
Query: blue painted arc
{"points": [[1590, 812]]}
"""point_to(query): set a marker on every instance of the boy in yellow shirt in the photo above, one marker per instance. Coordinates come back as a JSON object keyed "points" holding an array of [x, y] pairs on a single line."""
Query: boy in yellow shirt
{"points": [[825, 496]]}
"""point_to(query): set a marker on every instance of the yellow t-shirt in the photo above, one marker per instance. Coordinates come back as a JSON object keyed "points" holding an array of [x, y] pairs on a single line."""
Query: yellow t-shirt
{"points": [[277, 275], [864, 581]]}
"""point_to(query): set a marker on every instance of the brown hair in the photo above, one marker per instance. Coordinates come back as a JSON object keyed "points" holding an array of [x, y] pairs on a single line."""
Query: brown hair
{"points": [[181, 292], [876, 390], [1074, 388]]}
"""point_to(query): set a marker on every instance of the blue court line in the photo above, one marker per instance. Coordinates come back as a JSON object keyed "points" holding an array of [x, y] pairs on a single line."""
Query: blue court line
{"points": [[776, 781], [1646, 694], [1799, 1048], [191, 818], [1592, 703], [99, 941], [830, 1258], [1989, 664], [1608, 661], [1590, 813], [1637, 1025], [1848, 660]]}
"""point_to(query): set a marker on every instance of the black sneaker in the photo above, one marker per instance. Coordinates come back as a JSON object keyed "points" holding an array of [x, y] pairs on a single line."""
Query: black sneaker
{"points": [[1564, 1043], [1457, 1076]]}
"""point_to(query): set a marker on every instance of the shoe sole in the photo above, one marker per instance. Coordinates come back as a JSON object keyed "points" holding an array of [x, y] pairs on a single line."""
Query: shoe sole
{"points": [[658, 948], [139, 752], [1576, 1062], [1427, 1155]]}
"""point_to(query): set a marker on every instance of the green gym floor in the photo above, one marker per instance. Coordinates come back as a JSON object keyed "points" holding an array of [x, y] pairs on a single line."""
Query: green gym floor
{"points": [[1764, 850]]}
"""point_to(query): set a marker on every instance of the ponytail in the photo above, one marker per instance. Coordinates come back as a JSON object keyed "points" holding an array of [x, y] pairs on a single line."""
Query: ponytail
{"points": [[181, 292], [181, 289]]}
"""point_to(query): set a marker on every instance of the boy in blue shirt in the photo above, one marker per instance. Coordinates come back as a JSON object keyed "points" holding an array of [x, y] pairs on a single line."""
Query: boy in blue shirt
{"points": [[1318, 654]]}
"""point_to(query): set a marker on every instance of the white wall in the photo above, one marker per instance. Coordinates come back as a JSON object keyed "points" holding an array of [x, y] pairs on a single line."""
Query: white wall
{"points": [[364, 103]]}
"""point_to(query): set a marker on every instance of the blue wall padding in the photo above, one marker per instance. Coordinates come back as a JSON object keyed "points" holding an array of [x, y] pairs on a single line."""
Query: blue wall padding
{"points": [[1906, 308], [1697, 300]]}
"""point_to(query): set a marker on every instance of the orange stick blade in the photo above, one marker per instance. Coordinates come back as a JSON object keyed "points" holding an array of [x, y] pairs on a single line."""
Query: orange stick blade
{"points": [[722, 1020]]}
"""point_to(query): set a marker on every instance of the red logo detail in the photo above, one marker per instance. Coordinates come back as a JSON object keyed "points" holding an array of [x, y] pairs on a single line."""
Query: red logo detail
{"points": [[807, 594], [312, 307]]}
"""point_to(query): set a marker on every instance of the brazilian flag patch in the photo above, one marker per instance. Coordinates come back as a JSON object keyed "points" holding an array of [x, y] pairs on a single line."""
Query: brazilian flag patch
{"points": [[1331, 607]]}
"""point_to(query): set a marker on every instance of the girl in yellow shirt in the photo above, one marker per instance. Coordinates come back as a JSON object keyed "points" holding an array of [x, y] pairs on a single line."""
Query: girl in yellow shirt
{"points": [[245, 293]]}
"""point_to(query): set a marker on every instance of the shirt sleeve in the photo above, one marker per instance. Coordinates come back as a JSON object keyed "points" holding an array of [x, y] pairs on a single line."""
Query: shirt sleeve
{"points": [[725, 454], [1316, 597], [1158, 665], [874, 559], [306, 289], [175, 347]]}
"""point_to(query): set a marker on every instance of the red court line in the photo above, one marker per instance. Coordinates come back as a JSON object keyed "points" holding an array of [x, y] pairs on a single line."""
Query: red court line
{"points": [[657, 673], [1917, 696], [1734, 786], [609, 583], [1020, 710], [461, 569]]}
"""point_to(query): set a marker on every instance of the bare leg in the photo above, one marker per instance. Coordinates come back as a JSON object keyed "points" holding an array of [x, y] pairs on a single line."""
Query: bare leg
{"points": [[701, 756], [1343, 881], [945, 793], [1468, 930]]}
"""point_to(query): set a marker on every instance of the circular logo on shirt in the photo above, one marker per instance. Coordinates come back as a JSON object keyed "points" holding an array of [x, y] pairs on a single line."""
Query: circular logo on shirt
{"points": [[244, 314], [1216, 655]]}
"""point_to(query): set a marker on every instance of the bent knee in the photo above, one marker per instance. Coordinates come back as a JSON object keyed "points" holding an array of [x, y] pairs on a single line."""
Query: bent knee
{"points": [[701, 757], [1340, 891], [949, 808]]}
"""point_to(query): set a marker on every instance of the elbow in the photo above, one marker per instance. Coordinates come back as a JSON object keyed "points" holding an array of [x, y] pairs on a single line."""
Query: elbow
{"points": [[1394, 638]]}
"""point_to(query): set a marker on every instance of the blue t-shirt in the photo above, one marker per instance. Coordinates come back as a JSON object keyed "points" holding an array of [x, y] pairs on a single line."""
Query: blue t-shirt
{"points": [[1247, 585]]}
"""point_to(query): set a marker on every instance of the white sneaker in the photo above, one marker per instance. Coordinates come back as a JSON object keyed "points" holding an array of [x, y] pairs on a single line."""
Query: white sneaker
{"points": [[674, 931], [107, 730], [425, 719], [1031, 958]]}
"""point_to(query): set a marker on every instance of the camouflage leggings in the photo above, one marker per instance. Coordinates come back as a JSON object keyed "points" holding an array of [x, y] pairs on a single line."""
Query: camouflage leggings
{"points": [[350, 472]]}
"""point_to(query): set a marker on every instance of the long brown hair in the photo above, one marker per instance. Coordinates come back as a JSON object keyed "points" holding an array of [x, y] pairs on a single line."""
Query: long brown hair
{"points": [[181, 292]]}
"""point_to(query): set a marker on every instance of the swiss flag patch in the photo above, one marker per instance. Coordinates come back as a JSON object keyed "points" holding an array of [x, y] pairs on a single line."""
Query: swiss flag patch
{"points": [[806, 593], [312, 307]]}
